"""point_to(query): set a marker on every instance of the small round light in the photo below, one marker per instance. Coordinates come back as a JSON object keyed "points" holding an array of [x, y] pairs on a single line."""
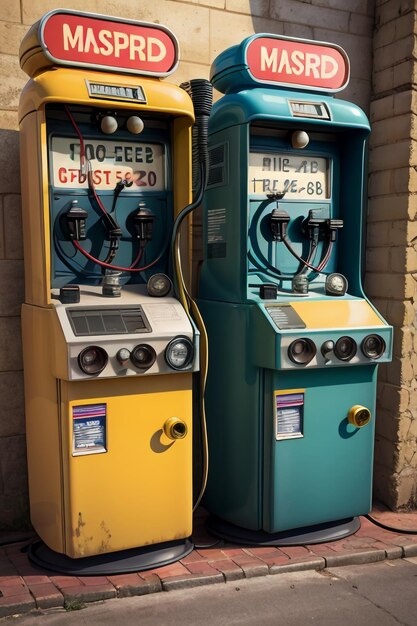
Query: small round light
{"points": [[135, 125], [327, 348], [108, 124], [123, 356], [336, 285], [143, 356], [92, 360], [179, 353], [299, 139], [373, 346], [302, 351], [345, 348], [159, 285]]}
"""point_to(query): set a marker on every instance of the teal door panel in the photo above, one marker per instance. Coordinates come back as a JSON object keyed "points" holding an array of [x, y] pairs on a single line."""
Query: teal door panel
{"points": [[326, 473]]}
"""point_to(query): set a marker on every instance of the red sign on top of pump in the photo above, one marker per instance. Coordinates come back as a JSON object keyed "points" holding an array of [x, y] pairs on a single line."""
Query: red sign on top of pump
{"points": [[105, 43], [298, 63]]}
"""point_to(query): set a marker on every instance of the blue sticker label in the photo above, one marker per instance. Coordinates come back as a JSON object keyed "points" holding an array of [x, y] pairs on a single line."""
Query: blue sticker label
{"points": [[89, 428], [289, 415]]}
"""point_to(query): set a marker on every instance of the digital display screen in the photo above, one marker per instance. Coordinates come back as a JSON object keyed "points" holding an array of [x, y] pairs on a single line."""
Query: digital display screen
{"points": [[141, 164], [303, 177]]}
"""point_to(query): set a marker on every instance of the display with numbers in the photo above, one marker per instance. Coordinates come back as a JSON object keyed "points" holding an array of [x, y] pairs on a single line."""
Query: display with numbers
{"points": [[299, 177]]}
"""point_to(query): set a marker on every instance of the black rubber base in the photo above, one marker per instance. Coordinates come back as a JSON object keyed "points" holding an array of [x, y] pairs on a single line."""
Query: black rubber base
{"points": [[320, 533], [134, 560]]}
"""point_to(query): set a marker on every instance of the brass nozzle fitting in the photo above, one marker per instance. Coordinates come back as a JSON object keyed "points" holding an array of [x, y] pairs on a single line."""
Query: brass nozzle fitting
{"points": [[175, 428], [359, 416]]}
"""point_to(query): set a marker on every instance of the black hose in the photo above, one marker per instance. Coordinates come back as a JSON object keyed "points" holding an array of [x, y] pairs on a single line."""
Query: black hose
{"points": [[201, 93], [393, 529]]}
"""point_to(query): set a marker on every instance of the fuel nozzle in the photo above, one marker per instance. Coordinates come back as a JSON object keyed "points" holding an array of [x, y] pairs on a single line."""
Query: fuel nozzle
{"points": [[115, 234], [333, 225], [279, 223], [75, 219], [314, 225], [279, 219], [143, 221]]}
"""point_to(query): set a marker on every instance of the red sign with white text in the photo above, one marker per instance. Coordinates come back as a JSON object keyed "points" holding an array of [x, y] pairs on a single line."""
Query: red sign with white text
{"points": [[86, 40], [294, 62]]}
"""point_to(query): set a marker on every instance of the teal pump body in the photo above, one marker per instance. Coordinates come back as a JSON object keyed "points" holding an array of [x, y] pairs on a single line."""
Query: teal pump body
{"points": [[289, 372]]}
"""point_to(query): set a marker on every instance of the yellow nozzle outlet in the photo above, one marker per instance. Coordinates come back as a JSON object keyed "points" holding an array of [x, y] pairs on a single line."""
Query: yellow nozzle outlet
{"points": [[359, 416], [174, 428]]}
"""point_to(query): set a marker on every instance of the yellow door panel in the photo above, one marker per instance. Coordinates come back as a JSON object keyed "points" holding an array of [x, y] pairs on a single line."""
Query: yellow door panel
{"points": [[139, 491]]}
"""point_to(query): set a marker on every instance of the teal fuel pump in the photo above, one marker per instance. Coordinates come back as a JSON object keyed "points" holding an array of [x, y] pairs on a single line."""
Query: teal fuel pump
{"points": [[294, 342]]}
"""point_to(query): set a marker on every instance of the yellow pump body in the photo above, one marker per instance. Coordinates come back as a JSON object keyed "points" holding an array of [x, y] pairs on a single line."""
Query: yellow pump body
{"points": [[106, 376]]}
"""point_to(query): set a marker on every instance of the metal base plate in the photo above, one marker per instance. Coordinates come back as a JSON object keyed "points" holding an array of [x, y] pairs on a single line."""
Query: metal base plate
{"points": [[134, 560], [320, 533]]}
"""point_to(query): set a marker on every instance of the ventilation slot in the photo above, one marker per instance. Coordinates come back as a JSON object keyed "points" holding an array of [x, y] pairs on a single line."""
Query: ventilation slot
{"points": [[217, 159]]}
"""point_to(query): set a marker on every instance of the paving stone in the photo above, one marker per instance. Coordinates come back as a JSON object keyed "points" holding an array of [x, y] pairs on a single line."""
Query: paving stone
{"points": [[193, 557], [46, 595], [229, 569], [89, 593], [274, 559], [299, 564], [251, 566], [168, 571], [410, 549], [152, 580], [231, 552], [211, 553], [192, 580], [16, 604], [295, 551], [134, 585], [355, 558], [93, 580], [8, 591], [393, 552], [321, 549], [11, 581], [63, 582], [36, 579], [261, 550], [358, 543], [203, 568]]}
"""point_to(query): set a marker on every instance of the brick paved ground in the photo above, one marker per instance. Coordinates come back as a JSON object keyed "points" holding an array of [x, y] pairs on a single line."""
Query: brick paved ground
{"points": [[24, 587]]}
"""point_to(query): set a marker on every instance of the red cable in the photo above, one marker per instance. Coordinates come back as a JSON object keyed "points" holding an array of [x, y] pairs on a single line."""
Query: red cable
{"points": [[138, 258], [91, 185], [80, 137], [301, 260], [115, 267], [83, 159], [326, 258]]}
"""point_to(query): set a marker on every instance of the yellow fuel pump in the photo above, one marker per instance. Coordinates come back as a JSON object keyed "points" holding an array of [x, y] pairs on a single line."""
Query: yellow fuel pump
{"points": [[109, 350]]}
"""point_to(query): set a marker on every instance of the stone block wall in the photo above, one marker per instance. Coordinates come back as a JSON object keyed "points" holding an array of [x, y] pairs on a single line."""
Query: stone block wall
{"points": [[204, 28], [392, 251]]}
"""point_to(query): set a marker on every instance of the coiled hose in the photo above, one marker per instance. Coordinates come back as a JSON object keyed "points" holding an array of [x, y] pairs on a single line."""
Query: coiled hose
{"points": [[201, 93]]}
